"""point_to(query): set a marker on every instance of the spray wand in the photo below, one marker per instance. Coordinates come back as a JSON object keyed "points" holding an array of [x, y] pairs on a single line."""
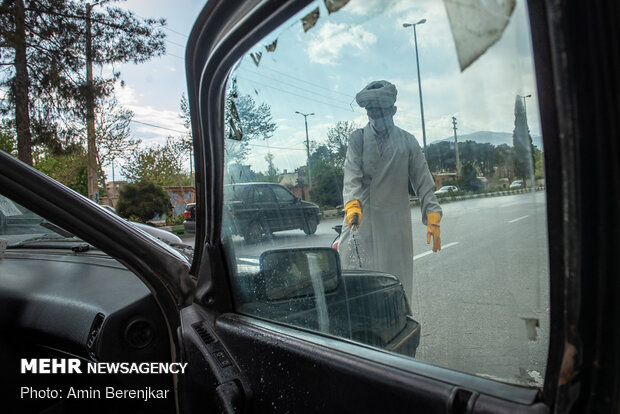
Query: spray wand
{"points": [[354, 227]]}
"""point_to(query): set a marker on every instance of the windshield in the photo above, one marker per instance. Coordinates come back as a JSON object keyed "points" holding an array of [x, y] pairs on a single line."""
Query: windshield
{"points": [[19, 225]]}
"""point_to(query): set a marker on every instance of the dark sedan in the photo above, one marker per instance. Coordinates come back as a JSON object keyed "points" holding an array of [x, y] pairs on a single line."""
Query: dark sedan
{"points": [[254, 210]]}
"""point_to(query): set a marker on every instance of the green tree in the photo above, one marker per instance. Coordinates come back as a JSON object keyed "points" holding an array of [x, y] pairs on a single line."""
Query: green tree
{"points": [[8, 141], [160, 164], [468, 179], [522, 143], [43, 58], [539, 163], [441, 156], [112, 134], [327, 177], [504, 156], [271, 175], [187, 141], [338, 141], [69, 169], [142, 201], [245, 120]]}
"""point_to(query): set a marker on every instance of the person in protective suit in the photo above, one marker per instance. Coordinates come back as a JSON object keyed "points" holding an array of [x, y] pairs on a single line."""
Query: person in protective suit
{"points": [[381, 160]]}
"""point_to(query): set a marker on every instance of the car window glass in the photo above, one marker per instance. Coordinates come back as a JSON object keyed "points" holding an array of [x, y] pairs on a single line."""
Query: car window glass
{"points": [[282, 194], [460, 168], [263, 195]]}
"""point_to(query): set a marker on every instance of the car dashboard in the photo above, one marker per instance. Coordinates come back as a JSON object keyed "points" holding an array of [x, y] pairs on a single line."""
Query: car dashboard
{"points": [[57, 303]]}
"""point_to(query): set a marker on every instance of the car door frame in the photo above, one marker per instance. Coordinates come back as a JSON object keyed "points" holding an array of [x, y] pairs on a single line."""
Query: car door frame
{"points": [[226, 32]]}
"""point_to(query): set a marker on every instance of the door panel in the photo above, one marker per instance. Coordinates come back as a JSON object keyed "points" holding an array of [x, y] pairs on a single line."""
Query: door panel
{"points": [[313, 374]]}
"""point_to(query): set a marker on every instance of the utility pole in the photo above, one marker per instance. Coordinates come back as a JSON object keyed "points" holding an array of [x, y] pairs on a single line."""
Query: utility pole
{"points": [[307, 146], [456, 148], [93, 188]]}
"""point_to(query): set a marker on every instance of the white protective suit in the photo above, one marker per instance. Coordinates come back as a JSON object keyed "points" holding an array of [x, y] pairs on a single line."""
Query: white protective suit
{"points": [[380, 183]]}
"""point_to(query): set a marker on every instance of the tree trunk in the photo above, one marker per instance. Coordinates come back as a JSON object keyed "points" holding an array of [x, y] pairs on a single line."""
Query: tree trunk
{"points": [[22, 87]]}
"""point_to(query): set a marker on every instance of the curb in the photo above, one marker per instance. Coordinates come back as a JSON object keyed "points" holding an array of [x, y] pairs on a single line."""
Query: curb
{"points": [[443, 200]]}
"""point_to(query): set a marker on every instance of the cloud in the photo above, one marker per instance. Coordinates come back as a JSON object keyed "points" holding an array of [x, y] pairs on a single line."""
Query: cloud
{"points": [[163, 122], [326, 46]]}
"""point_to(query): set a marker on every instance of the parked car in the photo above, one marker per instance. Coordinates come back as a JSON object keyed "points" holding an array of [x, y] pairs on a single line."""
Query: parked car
{"points": [[254, 210], [189, 215], [516, 184], [446, 189]]}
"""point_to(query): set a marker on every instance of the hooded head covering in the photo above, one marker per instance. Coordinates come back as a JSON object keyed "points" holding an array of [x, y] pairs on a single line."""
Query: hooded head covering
{"points": [[377, 94], [378, 98]]}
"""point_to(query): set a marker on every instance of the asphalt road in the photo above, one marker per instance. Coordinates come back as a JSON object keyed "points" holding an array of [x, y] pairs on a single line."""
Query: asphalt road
{"points": [[476, 296]]}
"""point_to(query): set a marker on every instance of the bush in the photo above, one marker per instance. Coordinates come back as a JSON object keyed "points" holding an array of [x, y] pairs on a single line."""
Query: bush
{"points": [[174, 219], [143, 200]]}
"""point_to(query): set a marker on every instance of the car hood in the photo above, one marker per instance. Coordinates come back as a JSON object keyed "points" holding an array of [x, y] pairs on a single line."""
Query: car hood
{"points": [[307, 204], [163, 235]]}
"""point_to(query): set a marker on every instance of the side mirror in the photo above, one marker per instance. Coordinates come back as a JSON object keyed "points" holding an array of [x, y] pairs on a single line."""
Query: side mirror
{"points": [[290, 273]]}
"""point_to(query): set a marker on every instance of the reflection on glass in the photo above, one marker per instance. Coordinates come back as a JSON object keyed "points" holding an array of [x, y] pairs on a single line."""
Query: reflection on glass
{"points": [[294, 273], [469, 307]]}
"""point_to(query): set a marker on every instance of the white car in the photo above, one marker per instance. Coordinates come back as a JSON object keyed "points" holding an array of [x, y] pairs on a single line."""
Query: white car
{"points": [[447, 189], [517, 184]]}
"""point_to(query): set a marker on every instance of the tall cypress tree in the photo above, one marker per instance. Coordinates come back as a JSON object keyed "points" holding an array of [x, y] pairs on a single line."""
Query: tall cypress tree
{"points": [[522, 142]]}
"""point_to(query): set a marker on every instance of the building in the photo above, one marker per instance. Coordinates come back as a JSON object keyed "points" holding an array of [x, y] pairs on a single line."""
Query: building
{"points": [[113, 189], [180, 196]]}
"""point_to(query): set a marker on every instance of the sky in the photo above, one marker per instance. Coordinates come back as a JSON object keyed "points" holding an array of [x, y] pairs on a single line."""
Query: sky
{"points": [[321, 70]]}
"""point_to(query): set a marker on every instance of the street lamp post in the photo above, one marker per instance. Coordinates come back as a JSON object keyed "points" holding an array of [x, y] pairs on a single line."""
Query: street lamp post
{"points": [[417, 61], [307, 146]]}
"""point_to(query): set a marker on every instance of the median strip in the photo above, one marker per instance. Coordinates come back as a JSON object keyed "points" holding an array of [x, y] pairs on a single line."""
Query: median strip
{"points": [[418, 256]]}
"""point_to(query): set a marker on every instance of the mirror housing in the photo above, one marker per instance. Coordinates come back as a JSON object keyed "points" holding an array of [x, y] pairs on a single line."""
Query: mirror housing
{"points": [[300, 272]]}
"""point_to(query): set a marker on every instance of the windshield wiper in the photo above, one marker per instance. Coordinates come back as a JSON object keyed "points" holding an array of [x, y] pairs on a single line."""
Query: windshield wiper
{"points": [[77, 244]]}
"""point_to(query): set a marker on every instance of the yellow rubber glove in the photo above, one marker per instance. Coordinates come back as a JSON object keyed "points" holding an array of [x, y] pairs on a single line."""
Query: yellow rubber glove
{"points": [[351, 209], [432, 229]]}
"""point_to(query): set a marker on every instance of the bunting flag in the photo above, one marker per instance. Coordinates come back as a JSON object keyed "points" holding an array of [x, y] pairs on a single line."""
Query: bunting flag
{"points": [[310, 20], [256, 57], [272, 46], [335, 5]]}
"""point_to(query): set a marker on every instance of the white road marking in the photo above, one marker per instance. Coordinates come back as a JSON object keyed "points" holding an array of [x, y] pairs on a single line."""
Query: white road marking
{"points": [[445, 246], [517, 219]]}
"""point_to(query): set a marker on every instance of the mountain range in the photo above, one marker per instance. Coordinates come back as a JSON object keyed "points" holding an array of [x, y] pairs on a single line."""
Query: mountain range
{"points": [[493, 138]]}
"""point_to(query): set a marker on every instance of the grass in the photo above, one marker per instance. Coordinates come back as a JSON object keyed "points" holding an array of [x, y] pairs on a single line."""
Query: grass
{"points": [[179, 230]]}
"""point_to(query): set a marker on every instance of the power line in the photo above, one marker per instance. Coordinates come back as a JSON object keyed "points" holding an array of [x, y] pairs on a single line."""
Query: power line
{"points": [[175, 43], [185, 132], [173, 31], [305, 81], [299, 96], [176, 56], [157, 126], [294, 86]]}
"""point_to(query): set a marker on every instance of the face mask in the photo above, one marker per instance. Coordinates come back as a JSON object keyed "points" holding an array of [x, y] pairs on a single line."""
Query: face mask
{"points": [[381, 124]]}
